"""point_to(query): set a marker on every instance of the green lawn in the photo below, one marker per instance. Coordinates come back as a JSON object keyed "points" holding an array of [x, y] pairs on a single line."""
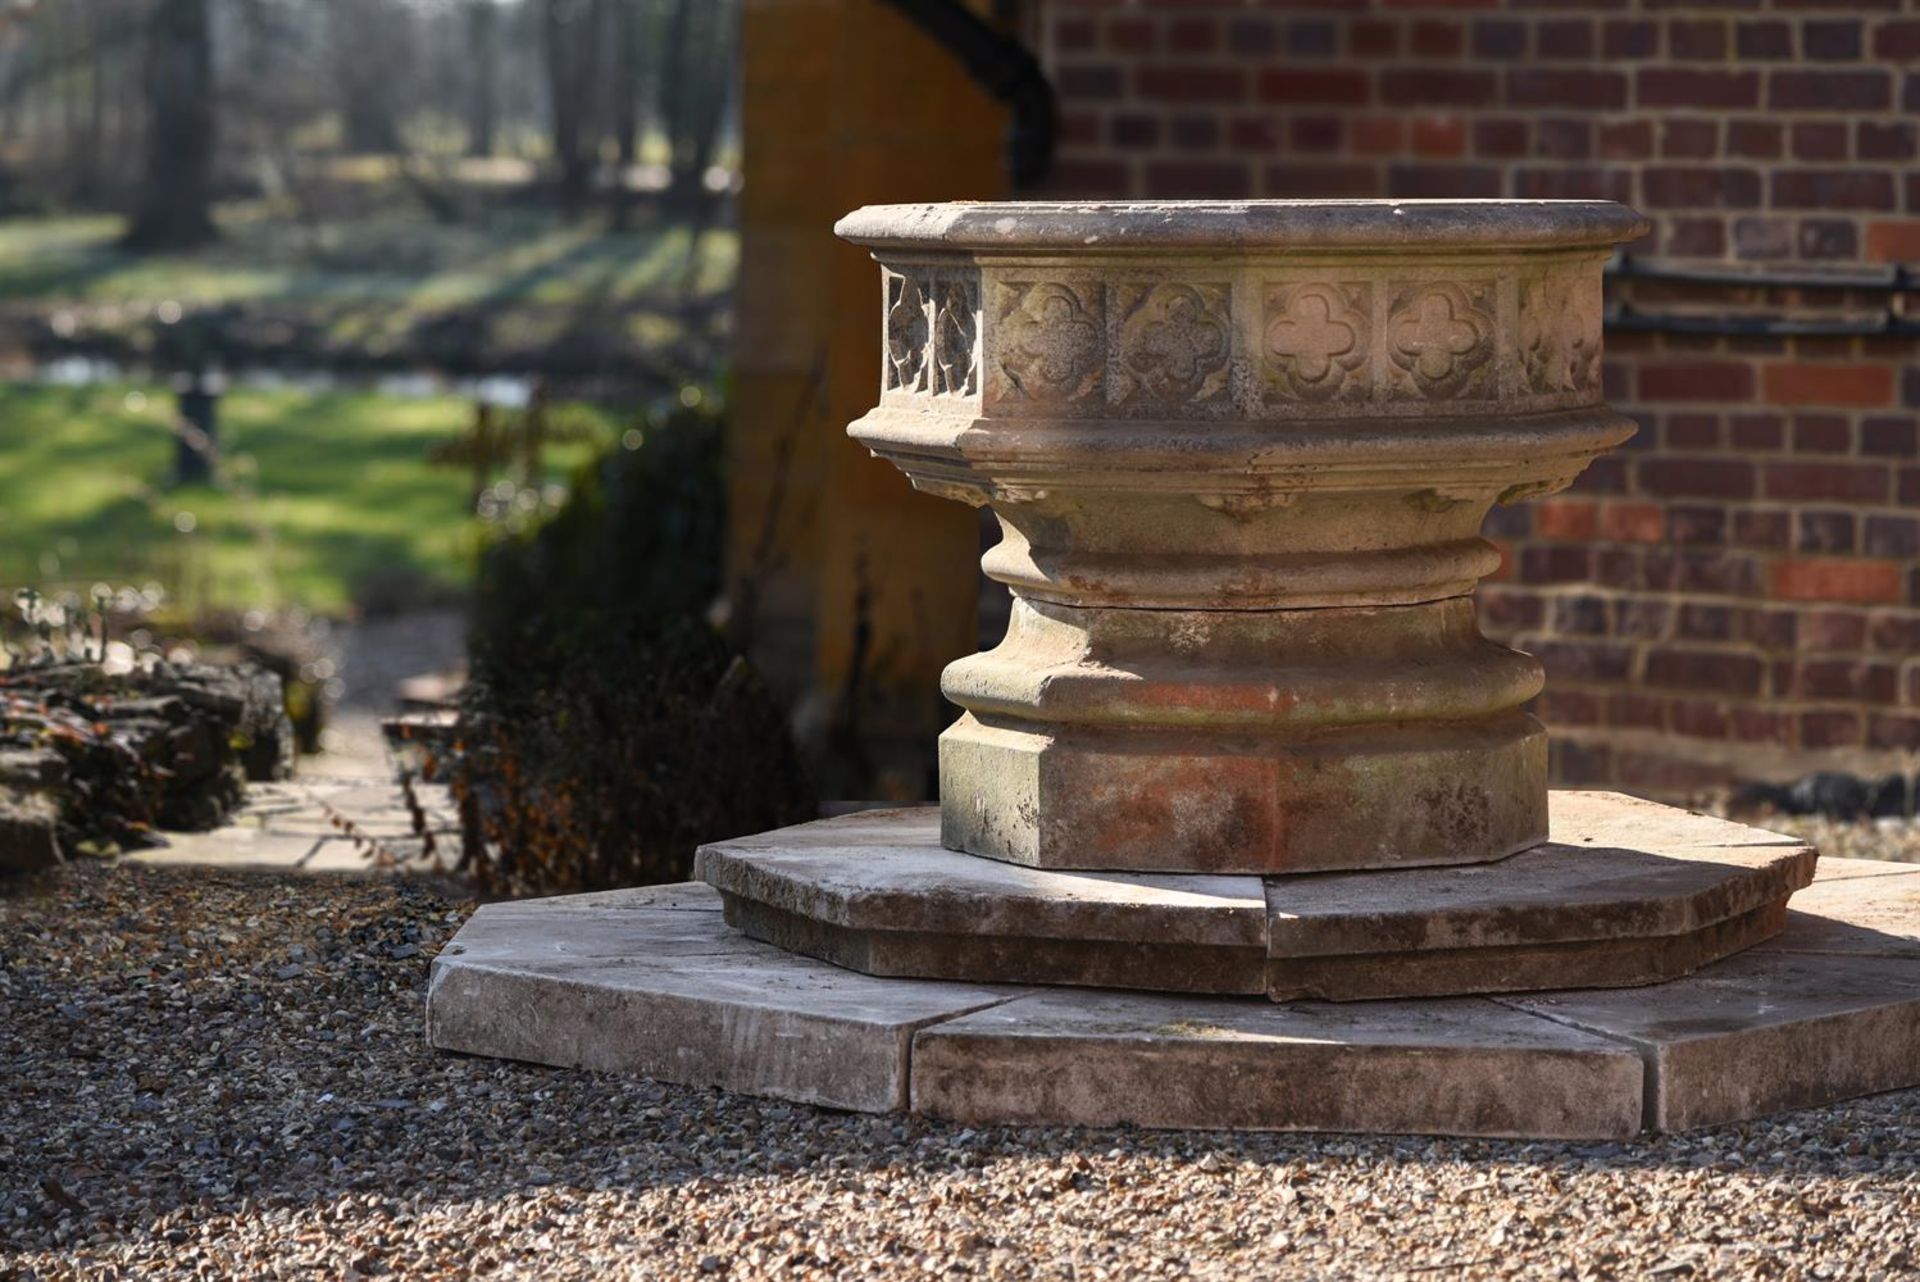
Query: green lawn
{"points": [[394, 258], [323, 493]]}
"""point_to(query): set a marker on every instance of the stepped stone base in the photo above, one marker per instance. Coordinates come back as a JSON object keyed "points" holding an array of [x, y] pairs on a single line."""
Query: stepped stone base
{"points": [[1625, 892], [654, 982]]}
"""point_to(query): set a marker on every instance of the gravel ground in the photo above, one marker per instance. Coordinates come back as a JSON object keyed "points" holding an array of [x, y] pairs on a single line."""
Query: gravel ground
{"points": [[209, 1074]]}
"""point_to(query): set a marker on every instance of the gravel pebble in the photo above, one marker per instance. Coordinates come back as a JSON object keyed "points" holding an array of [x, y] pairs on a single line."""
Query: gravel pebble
{"points": [[172, 1109]]}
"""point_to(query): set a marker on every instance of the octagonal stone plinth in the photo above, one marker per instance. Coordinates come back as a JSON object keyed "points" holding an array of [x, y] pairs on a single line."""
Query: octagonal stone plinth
{"points": [[1627, 892], [1240, 455], [652, 981]]}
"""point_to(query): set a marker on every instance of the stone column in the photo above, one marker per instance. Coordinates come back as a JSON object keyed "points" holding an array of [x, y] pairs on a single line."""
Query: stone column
{"points": [[1240, 454]]}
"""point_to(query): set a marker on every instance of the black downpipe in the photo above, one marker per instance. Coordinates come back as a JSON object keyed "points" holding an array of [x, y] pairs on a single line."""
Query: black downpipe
{"points": [[1893, 283], [1007, 70]]}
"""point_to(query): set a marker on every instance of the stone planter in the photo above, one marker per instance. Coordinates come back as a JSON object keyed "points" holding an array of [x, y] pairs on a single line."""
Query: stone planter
{"points": [[1240, 455]]}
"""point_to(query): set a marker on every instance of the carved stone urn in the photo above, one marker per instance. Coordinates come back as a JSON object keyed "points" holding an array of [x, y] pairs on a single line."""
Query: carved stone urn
{"points": [[1240, 454]]}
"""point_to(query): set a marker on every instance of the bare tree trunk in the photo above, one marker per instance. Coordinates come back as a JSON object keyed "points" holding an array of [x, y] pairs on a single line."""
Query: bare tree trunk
{"points": [[483, 50], [370, 61], [176, 191], [696, 86], [572, 35]]}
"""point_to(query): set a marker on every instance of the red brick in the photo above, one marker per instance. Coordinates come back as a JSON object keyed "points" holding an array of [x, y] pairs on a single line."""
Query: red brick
{"points": [[1894, 242], [1767, 39], [1891, 437], [1819, 141], [1373, 39], [1252, 38], [1443, 136], [1754, 139], [1582, 183], [1689, 137], [1830, 91], [1196, 83], [1073, 34], [1797, 383], [1697, 381], [1828, 482], [1762, 725], [1194, 133], [1822, 434], [1688, 87], [1697, 525], [1376, 135], [1704, 478], [1566, 519], [1632, 710], [1725, 671], [1437, 87], [1437, 38], [1090, 179], [1318, 87], [1896, 536], [1584, 660], [1253, 133], [1889, 732], [1316, 135], [1829, 729], [1441, 182], [1832, 630], [1697, 186], [1626, 140], [1564, 38], [1193, 35], [1828, 238], [1200, 180], [1826, 532], [1621, 38], [1700, 720], [1834, 40], [1757, 431], [1633, 522], [1647, 617], [1555, 564], [1499, 39], [1502, 138], [1131, 35], [1895, 633], [1566, 88], [1569, 708], [1091, 82], [1828, 189], [1897, 41], [1563, 138], [1697, 39], [1329, 181], [1834, 579], [1874, 140]]}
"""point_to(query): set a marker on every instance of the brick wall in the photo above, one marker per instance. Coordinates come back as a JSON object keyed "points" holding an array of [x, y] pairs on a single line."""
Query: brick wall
{"points": [[1734, 594]]}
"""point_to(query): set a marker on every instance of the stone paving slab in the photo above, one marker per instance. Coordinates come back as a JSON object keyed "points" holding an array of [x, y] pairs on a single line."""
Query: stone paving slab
{"points": [[1463, 1066], [677, 995], [297, 826], [1760, 1033]]}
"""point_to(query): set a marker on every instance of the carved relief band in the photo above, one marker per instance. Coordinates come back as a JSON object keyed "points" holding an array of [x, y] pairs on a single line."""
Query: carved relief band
{"points": [[1240, 455]]}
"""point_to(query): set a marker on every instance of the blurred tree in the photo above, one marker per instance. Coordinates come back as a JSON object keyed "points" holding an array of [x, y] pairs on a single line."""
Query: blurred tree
{"points": [[483, 57], [176, 188], [696, 87], [572, 31], [372, 54]]}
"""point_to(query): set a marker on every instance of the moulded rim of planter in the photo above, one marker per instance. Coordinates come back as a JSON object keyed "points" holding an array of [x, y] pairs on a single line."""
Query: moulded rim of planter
{"points": [[1093, 227]]}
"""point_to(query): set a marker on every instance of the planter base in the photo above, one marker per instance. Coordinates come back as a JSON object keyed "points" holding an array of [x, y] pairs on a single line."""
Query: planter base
{"points": [[1627, 892], [653, 982]]}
